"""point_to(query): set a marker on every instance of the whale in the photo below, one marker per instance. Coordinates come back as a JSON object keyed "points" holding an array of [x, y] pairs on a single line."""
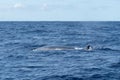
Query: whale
{"points": [[58, 48]]}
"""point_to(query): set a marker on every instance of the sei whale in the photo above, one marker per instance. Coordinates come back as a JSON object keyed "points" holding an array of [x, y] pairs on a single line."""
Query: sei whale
{"points": [[48, 48]]}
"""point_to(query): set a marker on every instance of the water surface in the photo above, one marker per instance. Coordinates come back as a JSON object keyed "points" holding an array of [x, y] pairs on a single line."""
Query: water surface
{"points": [[18, 61]]}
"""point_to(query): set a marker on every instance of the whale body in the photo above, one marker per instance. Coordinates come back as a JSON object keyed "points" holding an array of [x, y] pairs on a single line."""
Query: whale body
{"points": [[48, 48]]}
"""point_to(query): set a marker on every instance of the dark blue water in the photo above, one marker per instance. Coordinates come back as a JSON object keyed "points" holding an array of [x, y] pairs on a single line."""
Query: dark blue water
{"points": [[18, 61]]}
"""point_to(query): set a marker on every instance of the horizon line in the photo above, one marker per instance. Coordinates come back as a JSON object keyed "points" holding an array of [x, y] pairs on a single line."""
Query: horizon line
{"points": [[59, 21]]}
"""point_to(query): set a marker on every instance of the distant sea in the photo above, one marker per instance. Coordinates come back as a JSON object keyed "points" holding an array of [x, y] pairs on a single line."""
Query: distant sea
{"points": [[18, 61]]}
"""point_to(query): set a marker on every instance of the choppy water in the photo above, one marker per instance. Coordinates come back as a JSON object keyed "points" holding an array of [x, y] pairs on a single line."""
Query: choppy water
{"points": [[18, 61]]}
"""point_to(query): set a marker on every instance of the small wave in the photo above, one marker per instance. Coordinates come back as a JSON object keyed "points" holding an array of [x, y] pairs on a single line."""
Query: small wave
{"points": [[9, 78], [29, 66], [36, 31], [62, 77], [92, 69], [115, 65], [107, 49], [33, 46], [11, 42], [16, 57], [96, 76], [34, 66], [104, 76]]}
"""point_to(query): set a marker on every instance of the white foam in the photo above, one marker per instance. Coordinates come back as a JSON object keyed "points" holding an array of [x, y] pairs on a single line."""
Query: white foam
{"points": [[78, 48], [57, 49]]}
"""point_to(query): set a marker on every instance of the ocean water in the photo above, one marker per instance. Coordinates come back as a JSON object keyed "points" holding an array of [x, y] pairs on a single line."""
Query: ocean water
{"points": [[18, 61]]}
